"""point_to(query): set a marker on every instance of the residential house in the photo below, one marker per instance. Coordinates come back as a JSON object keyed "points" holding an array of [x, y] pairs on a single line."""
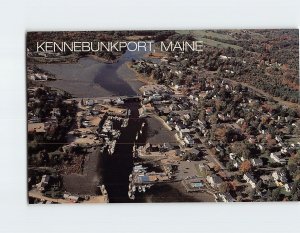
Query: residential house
{"points": [[89, 102], [288, 187], [226, 197], [44, 182], [214, 180], [188, 140], [276, 156], [257, 162], [279, 176], [183, 132], [249, 178]]}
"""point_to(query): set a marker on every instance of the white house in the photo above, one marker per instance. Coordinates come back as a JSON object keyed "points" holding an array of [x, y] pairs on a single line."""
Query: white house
{"points": [[44, 182], [235, 163], [260, 146], [232, 156], [249, 178], [214, 180], [257, 162], [288, 187], [226, 197], [119, 101], [184, 131], [188, 140], [89, 102], [276, 156], [279, 176], [278, 138]]}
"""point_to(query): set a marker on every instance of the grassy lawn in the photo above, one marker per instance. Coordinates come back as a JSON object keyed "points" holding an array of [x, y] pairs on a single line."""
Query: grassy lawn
{"points": [[164, 118], [199, 173], [285, 193]]}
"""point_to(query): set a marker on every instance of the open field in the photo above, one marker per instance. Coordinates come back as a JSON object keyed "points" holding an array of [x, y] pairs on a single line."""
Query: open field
{"points": [[208, 33], [199, 35]]}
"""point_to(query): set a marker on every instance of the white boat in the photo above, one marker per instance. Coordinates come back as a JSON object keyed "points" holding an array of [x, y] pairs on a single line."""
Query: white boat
{"points": [[131, 195], [125, 123], [140, 189]]}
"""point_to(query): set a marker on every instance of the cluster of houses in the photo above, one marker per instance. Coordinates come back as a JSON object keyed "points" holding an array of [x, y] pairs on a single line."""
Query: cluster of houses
{"points": [[35, 74], [45, 54], [197, 108], [38, 77], [97, 124], [41, 123]]}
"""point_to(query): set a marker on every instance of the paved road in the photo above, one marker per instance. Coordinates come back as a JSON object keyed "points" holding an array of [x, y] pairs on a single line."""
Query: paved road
{"points": [[280, 101], [211, 157]]}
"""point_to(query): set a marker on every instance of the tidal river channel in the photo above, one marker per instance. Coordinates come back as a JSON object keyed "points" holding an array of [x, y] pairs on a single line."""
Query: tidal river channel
{"points": [[118, 166], [90, 78]]}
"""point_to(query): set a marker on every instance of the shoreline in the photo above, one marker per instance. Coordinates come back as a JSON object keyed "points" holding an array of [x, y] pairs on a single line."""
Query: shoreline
{"points": [[69, 59], [157, 55], [139, 76]]}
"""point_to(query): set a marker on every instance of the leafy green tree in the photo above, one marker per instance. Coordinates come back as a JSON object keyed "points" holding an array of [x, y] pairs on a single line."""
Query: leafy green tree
{"points": [[276, 194]]}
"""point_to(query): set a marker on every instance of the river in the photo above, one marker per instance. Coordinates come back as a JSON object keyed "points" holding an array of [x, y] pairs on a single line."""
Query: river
{"points": [[91, 78], [118, 166]]}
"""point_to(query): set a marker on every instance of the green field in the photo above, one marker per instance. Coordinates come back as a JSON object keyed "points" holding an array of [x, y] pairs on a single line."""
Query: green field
{"points": [[199, 35]]}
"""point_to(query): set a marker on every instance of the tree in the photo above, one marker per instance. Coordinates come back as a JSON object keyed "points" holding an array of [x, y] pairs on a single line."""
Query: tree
{"points": [[268, 195], [276, 194], [229, 166], [233, 185], [217, 168], [214, 119], [251, 194], [223, 188], [258, 185], [241, 148], [245, 166], [295, 187], [292, 167], [295, 197], [239, 198]]}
